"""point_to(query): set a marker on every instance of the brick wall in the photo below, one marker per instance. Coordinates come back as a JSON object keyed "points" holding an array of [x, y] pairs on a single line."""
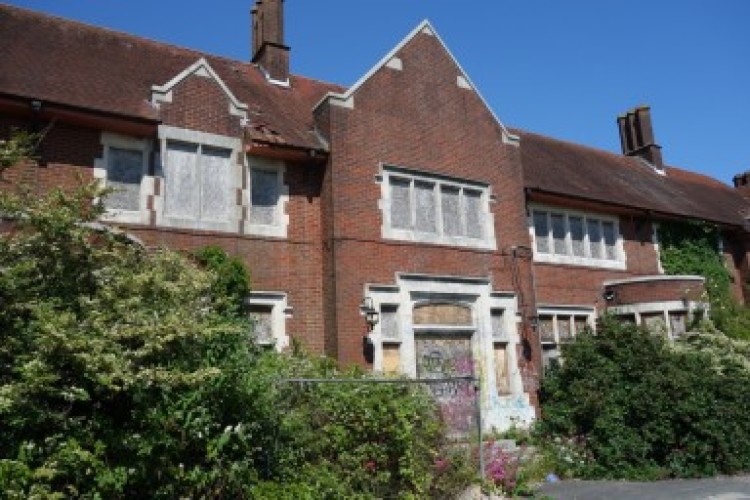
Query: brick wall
{"points": [[417, 117], [659, 290]]}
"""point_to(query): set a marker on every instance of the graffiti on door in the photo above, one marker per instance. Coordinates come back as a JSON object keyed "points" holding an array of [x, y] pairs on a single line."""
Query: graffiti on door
{"points": [[446, 357]]}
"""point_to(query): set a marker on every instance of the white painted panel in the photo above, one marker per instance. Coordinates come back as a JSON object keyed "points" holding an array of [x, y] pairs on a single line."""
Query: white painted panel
{"points": [[426, 207], [216, 196], [181, 179], [124, 172], [474, 219], [400, 204], [451, 214]]}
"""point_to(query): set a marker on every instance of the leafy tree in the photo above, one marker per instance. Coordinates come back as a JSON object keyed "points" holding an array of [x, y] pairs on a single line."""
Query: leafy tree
{"points": [[641, 409]]}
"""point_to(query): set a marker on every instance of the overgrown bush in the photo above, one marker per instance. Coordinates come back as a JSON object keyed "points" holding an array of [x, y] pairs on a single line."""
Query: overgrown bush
{"points": [[127, 373], [641, 409]]}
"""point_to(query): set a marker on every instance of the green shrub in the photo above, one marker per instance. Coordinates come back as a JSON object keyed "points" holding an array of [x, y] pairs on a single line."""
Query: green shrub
{"points": [[642, 409]]}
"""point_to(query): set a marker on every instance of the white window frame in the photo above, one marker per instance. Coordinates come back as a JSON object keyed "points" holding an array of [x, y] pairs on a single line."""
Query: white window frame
{"points": [[280, 311], [193, 137], [486, 241], [279, 228], [662, 308], [101, 168], [620, 260], [566, 311]]}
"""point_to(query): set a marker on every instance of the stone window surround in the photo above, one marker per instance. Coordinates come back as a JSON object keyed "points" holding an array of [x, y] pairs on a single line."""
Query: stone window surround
{"points": [[664, 307], [621, 261], [112, 140], [280, 311], [281, 219], [413, 289], [487, 241], [572, 311]]}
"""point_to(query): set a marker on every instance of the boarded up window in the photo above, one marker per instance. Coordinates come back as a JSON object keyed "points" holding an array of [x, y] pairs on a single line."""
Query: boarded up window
{"points": [[442, 314], [563, 327], [391, 359], [400, 203], [654, 322], [678, 323], [547, 328], [497, 318], [580, 324], [450, 202], [181, 178], [473, 203], [216, 183], [389, 326], [264, 196], [576, 235], [502, 375], [262, 325], [426, 207], [124, 172], [541, 231]]}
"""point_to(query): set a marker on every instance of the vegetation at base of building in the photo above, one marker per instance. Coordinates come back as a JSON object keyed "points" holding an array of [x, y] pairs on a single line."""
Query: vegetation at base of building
{"points": [[692, 248], [17, 147], [232, 279], [129, 373], [629, 404]]}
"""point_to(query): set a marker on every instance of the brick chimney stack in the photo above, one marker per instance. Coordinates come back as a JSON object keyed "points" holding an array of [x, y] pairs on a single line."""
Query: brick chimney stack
{"points": [[742, 183], [637, 136], [268, 50]]}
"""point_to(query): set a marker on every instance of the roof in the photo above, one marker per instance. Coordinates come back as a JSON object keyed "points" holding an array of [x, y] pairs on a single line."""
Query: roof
{"points": [[567, 169], [75, 64]]}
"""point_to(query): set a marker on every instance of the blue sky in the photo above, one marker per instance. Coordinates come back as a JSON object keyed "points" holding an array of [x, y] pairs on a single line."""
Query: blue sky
{"points": [[560, 68]]}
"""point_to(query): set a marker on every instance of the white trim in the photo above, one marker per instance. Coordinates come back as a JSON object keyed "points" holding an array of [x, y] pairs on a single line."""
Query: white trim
{"points": [[201, 67], [658, 277], [499, 412], [425, 27], [619, 263], [570, 311], [664, 307], [438, 237], [280, 311]]}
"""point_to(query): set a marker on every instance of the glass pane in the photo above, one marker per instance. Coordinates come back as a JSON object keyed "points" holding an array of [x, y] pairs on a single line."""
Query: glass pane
{"points": [[558, 234], [473, 201], [124, 174], [451, 214], [216, 172], [181, 179], [264, 196], [400, 204], [576, 235], [389, 321], [541, 232], [595, 238], [546, 328], [609, 240], [426, 207]]}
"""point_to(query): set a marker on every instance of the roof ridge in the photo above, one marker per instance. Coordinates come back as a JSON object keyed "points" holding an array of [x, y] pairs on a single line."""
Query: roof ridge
{"points": [[575, 144]]}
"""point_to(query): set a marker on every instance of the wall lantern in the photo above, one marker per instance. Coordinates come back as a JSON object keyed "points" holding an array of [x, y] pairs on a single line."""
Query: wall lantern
{"points": [[609, 295], [534, 322], [367, 309]]}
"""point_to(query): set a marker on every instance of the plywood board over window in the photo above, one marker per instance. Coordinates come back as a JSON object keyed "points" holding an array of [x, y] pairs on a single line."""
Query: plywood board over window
{"points": [[442, 314]]}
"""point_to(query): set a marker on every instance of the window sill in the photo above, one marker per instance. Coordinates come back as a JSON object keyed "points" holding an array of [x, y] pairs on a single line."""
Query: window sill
{"points": [[430, 239], [580, 261]]}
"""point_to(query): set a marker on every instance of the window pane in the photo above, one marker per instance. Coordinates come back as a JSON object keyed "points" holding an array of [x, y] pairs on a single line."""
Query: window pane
{"points": [[389, 321], [451, 215], [678, 323], [558, 234], [181, 179], [595, 238], [473, 202], [216, 183], [576, 235], [609, 240], [400, 204], [264, 196], [580, 324], [426, 207], [124, 176], [541, 232]]}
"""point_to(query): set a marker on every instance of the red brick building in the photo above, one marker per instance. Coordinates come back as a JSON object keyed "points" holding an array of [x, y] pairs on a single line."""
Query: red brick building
{"points": [[481, 247]]}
